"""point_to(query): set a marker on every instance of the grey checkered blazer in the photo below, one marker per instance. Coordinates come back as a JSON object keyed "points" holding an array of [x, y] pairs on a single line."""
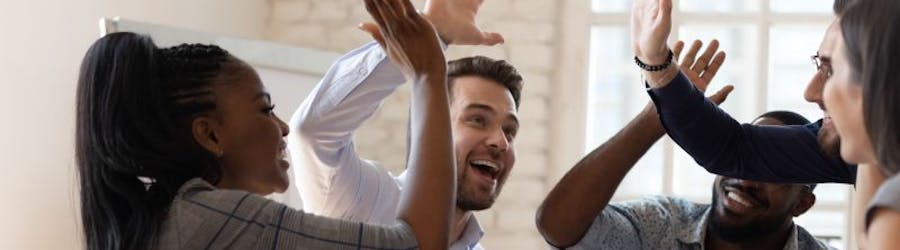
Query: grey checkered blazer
{"points": [[203, 217]]}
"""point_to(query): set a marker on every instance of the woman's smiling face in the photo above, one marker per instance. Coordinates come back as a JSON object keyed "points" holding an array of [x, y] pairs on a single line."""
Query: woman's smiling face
{"points": [[249, 134], [844, 101]]}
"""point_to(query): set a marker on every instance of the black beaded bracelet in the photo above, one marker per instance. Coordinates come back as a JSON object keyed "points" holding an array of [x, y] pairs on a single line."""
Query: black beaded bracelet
{"points": [[655, 67]]}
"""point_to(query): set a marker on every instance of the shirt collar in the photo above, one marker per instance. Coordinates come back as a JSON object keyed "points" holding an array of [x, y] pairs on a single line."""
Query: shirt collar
{"points": [[470, 237], [697, 234], [792, 242]]}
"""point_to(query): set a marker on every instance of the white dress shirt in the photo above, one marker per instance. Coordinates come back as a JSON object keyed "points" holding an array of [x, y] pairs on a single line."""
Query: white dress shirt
{"points": [[333, 180]]}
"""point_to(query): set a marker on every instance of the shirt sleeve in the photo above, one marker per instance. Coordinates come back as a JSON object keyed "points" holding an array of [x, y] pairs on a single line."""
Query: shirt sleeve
{"points": [[725, 147], [885, 197], [637, 224], [332, 178], [240, 220]]}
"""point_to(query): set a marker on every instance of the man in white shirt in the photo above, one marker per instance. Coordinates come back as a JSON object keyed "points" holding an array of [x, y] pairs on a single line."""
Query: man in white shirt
{"points": [[335, 181]]}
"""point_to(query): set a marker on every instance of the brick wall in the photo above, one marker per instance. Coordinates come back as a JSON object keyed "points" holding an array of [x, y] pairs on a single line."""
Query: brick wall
{"points": [[530, 28]]}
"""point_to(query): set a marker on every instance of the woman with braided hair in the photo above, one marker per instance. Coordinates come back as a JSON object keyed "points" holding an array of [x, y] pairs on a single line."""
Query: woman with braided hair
{"points": [[176, 146]]}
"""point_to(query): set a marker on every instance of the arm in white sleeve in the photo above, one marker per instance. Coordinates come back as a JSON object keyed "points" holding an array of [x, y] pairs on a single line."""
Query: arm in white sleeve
{"points": [[332, 178]]}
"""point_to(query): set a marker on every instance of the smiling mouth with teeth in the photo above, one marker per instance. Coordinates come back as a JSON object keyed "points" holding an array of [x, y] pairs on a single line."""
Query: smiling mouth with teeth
{"points": [[734, 196], [486, 167], [741, 197]]}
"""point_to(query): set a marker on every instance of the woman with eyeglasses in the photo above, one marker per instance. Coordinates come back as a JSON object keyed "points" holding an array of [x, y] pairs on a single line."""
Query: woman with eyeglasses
{"points": [[863, 96]]}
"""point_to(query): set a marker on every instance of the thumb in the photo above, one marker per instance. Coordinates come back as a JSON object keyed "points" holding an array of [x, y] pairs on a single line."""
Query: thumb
{"points": [[374, 31], [720, 96], [491, 38]]}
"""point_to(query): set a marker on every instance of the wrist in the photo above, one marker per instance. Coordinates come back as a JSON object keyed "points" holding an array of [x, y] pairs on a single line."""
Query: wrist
{"points": [[650, 121], [657, 57], [433, 75], [655, 64], [661, 78]]}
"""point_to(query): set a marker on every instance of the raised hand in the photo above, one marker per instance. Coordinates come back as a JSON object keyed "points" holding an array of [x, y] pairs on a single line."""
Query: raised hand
{"points": [[702, 70], [426, 203], [409, 39], [651, 23], [455, 22]]}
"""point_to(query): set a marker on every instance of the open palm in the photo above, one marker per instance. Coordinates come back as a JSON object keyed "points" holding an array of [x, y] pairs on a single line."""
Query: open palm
{"points": [[700, 70], [455, 22], [651, 23], [406, 36]]}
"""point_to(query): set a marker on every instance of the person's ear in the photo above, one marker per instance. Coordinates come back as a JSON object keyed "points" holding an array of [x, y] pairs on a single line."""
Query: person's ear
{"points": [[807, 200], [206, 132]]}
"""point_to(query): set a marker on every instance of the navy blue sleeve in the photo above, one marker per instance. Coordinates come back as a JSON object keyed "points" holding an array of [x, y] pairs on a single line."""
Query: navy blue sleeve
{"points": [[725, 147]]}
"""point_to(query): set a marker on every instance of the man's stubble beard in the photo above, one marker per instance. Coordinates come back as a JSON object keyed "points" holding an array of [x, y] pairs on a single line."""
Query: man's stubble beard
{"points": [[466, 200], [830, 142]]}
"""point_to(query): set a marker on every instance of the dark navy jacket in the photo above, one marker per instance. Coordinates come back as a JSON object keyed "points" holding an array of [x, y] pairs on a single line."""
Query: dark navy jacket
{"points": [[725, 147]]}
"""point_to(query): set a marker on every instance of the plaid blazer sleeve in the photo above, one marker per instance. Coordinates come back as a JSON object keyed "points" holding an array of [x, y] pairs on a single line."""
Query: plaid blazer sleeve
{"points": [[202, 217]]}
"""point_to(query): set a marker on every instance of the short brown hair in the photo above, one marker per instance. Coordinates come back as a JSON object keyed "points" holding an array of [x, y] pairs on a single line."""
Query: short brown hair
{"points": [[498, 71]]}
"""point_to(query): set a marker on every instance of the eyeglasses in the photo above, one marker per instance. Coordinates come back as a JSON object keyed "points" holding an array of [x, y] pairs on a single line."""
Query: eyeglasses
{"points": [[823, 64]]}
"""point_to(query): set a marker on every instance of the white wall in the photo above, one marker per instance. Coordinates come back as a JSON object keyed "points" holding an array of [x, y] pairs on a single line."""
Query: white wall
{"points": [[42, 43]]}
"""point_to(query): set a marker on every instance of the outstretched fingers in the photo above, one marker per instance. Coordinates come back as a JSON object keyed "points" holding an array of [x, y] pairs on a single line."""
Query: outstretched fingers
{"points": [[410, 10], [374, 9], [714, 66], [691, 55], [703, 62], [676, 50], [392, 9]]}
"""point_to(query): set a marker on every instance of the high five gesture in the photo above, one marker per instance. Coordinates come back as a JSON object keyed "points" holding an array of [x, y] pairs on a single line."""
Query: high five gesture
{"points": [[430, 190], [455, 22], [651, 23]]}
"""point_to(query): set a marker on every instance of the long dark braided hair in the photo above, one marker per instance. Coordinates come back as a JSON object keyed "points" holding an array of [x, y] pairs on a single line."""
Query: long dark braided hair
{"points": [[134, 147]]}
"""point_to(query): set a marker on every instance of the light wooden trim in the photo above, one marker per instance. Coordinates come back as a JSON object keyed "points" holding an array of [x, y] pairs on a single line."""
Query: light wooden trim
{"points": [[255, 52]]}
